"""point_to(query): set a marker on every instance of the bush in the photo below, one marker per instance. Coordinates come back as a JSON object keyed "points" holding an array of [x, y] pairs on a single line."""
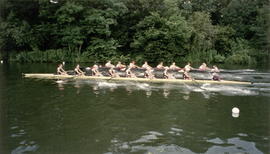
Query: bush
{"points": [[204, 56], [46, 56], [219, 58], [241, 53], [241, 57]]}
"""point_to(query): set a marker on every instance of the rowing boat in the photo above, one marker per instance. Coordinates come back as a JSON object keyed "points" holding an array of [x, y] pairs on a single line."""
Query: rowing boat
{"points": [[53, 76]]}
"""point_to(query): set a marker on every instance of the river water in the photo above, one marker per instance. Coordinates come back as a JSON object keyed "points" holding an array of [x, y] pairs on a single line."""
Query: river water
{"points": [[41, 116]]}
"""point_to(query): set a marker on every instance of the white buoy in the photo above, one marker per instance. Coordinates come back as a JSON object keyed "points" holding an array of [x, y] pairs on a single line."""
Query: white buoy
{"points": [[235, 110], [2, 61], [63, 63]]}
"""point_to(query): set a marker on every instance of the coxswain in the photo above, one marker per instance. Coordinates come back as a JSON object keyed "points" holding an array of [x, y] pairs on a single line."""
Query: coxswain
{"points": [[78, 71], [120, 66], [112, 73], [133, 65], [130, 74], [174, 67], [160, 66], [186, 76], [215, 69], [166, 74], [145, 65], [203, 67], [149, 73], [95, 71], [187, 68], [60, 70], [109, 64]]}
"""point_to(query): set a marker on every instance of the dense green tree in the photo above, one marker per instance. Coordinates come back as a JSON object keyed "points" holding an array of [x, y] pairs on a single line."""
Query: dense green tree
{"points": [[161, 39], [233, 31]]}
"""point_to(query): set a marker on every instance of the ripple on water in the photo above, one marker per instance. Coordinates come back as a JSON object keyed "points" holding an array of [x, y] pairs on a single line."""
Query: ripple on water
{"points": [[233, 145], [215, 141], [151, 135], [19, 133], [175, 131], [24, 149]]}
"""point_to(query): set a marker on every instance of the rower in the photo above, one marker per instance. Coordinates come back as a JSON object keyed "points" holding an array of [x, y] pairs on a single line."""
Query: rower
{"points": [[174, 67], [167, 75], [109, 64], [149, 73], [187, 68], [130, 74], [203, 67], [160, 66], [60, 70], [186, 76], [145, 65], [215, 76], [120, 66], [112, 73], [95, 71], [78, 71], [215, 69], [132, 65]]}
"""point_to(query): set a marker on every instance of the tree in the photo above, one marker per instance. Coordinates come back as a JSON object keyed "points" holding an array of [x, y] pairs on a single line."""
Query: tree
{"points": [[161, 39]]}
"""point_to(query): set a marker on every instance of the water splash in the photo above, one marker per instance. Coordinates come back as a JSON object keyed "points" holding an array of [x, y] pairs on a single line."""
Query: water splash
{"points": [[106, 84]]}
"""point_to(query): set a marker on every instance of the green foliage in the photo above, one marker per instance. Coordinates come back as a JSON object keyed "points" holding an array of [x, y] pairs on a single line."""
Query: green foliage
{"points": [[49, 56], [219, 58], [124, 59], [204, 33], [241, 53], [101, 50], [223, 41], [41, 56], [161, 39], [152, 30]]}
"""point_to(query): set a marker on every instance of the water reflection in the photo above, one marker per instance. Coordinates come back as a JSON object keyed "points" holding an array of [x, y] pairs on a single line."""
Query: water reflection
{"points": [[207, 90], [175, 131], [150, 142], [95, 89], [148, 93], [186, 97], [60, 86], [130, 123], [112, 89], [25, 148], [166, 93], [206, 94], [77, 86], [129, 90], [235, 115], [24, 145], [234, 145]]}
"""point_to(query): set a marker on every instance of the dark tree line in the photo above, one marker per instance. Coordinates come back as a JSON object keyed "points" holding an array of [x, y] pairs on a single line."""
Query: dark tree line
{"points": [[227, 31]]}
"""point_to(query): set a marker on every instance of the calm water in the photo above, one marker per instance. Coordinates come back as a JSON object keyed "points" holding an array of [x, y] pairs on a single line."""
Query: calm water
{"points": [[41, 116]]}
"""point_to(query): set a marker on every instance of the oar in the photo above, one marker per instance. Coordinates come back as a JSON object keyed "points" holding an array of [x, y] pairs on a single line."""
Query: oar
{"points": [[110, 78], [198, 84]]}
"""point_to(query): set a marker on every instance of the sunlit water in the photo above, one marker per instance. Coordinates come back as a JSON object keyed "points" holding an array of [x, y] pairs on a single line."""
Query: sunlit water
{"points": [[94, 116]]}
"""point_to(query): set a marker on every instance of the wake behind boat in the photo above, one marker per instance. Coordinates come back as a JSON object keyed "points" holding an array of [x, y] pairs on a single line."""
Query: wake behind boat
{"points": [[156, 80]]}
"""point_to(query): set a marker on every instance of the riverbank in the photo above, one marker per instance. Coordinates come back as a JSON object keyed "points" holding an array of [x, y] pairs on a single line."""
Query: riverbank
{"points": [[60, 55]]}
